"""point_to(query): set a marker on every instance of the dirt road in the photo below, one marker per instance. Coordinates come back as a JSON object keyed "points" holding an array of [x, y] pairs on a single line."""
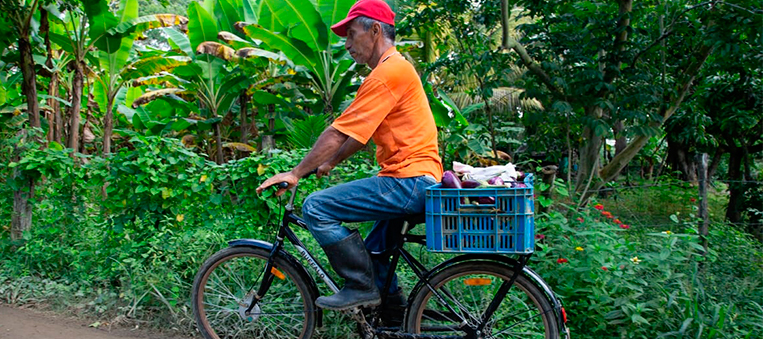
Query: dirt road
{"points": [[18, 323]]}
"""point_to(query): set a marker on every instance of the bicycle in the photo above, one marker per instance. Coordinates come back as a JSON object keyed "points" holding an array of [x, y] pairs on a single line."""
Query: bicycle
{"points": [[256, 289]]}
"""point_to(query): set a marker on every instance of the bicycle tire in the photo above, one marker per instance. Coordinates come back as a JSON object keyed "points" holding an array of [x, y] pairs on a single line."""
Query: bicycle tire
{"points": [[468, 287], [222, 285]]}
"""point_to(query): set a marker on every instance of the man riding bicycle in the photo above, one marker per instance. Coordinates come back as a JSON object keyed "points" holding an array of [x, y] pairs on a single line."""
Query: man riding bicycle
{"points": [[392, 109]]}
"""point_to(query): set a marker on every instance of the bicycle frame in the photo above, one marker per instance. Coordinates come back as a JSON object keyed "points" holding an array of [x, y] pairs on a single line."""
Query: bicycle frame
{"points": [[286, 233]]}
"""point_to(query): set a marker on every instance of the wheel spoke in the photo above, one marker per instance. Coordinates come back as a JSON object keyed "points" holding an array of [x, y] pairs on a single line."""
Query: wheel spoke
{"points": [[285, 311], [469, 289]]}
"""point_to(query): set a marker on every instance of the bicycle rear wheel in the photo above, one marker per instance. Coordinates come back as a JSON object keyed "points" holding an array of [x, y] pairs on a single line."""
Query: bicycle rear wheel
{"points": [[464, 292], [224, 288]]}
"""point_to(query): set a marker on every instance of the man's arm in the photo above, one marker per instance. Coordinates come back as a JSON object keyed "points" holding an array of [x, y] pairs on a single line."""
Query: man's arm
{"points": [[327, 146], [349, 148]]}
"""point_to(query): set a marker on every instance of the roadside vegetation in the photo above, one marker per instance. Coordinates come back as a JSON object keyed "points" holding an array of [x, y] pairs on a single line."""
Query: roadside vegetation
{"points": [[133, 139]]}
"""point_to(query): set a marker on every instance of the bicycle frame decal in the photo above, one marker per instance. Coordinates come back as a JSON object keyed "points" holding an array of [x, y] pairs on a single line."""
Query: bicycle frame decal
{"points": [[321, 274]]}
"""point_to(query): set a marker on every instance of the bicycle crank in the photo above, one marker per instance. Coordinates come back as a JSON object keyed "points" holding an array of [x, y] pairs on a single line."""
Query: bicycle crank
{"points": [[366, 331]]}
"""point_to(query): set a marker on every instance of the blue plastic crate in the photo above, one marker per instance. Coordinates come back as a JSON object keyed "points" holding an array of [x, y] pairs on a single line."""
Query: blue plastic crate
{"points": [[456, 224]]}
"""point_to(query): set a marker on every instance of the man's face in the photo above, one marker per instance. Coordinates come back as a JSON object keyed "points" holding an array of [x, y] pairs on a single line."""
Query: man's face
{"points": [[360, 43]]}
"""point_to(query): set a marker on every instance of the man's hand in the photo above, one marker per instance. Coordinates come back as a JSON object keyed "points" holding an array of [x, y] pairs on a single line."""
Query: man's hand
{"points": [[288, 177], [324, 169]]}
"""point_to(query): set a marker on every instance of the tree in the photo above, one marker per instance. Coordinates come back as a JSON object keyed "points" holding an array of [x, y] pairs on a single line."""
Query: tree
{"points": [[603, 61], [19, 14]]}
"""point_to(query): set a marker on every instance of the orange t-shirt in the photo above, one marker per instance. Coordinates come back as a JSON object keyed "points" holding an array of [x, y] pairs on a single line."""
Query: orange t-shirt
{"points": [[392, 108]]}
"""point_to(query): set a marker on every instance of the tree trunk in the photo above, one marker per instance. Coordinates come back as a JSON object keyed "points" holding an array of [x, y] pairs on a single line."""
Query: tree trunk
{"points": [[736, 187], [244, 126], [108, 126], [21, 220], [589, 153], [549, 176], [76, 100], [681, 160], [53, 84], [54, 119], [714, 163], [219, 142], [268, 143], [29, 83], [254, 131], [85, 133], [505, 14], [21, 217], [620, 141], [492, 128]]}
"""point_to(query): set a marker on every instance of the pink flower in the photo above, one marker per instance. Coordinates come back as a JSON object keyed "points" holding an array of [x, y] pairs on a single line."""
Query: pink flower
{"points": [[562, 261], [599, 207], [580, 219], [604, 268], [624, 226], [540, 236]]}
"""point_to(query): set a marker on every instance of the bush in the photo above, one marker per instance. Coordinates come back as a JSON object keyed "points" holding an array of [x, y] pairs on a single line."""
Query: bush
{"points": [[135, 252], [616, 281]]}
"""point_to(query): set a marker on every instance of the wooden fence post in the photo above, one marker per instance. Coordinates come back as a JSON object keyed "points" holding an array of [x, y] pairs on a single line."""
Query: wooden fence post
{"points": [[704, 216]]}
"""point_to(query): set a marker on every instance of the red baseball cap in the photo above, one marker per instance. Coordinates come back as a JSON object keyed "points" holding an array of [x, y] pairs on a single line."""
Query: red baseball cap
{"points": [[374, 9]]}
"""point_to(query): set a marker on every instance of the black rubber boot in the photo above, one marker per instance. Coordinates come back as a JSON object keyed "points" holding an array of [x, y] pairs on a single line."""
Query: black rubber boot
{"points": [[351, 261]]}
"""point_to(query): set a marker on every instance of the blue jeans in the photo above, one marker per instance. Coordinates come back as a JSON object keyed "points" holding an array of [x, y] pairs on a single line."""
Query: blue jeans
{"points": [[380, 199]]}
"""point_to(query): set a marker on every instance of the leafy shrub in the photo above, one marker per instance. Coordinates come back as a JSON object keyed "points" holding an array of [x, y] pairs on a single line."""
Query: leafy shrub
{"points": [[628, 283]]}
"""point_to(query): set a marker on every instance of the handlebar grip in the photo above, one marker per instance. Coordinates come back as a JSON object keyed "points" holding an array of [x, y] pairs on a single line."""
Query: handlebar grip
{"points": [[285, 185]]}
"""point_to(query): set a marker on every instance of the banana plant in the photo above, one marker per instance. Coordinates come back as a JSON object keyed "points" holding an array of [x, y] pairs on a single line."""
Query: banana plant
{"points": [[213, 81], [300, 30], [216, 73], [115, 72]]}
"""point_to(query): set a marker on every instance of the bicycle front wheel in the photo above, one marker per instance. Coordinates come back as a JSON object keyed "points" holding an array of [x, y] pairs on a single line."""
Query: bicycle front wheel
{"points": [[224, 288], [463, 294]]}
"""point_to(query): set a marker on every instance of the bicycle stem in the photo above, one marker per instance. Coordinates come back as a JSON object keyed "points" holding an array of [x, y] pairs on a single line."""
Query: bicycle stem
{"points": [[290, 204]]}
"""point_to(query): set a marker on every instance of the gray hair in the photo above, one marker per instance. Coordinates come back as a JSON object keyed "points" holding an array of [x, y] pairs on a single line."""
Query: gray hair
{"points": [[388, 31]]}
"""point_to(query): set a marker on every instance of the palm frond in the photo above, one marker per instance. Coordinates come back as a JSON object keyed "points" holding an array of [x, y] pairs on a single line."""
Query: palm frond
{"points": [[304, 133]]}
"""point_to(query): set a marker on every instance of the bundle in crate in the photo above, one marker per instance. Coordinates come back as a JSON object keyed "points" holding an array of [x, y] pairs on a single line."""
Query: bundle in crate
{"points": [[457, 222]]}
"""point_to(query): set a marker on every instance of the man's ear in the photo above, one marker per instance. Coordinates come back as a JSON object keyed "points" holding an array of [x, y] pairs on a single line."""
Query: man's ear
{"points": [[376, 28]]}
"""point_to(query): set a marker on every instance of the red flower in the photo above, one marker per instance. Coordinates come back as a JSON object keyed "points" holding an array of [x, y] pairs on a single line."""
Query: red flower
{"points": [[624, 226], [599, 207], [607, 214], [580, 219], [617, 221], [693, 200], [540, 236], [604, 268], [562, 261]]}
